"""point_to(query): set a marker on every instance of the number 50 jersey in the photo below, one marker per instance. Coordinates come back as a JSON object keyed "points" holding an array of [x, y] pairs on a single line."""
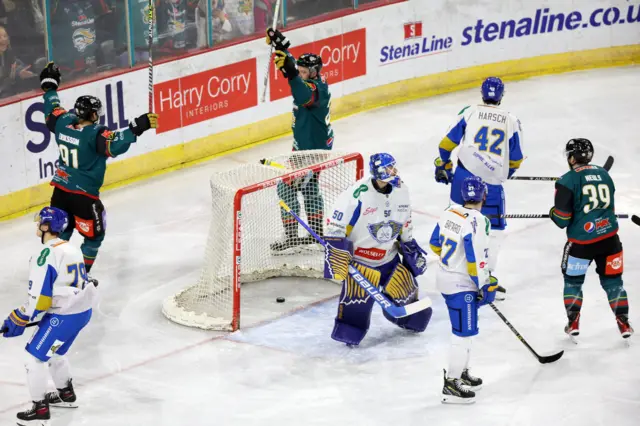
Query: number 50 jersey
{"points": [[461, 241], [490, 142]]}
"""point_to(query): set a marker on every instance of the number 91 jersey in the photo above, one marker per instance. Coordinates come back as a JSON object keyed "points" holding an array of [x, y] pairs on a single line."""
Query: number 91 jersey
{"points": [[490, 142], [461, 241]]}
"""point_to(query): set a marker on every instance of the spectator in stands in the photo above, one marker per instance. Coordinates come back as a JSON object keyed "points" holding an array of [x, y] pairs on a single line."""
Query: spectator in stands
{"points": [[305, 9], [23, 19], [13, 71], [140, 31], [172, 26]]}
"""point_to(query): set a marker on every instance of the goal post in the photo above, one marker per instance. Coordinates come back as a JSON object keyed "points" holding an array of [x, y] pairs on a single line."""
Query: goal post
{"points": [[247, 225]]}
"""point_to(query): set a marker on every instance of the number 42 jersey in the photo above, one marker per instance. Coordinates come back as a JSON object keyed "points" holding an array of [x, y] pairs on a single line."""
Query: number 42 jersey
{"points": [[490, 142]]}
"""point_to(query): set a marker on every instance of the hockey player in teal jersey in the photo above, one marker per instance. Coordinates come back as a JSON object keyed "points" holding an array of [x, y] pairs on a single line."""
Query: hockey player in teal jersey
{"points": [[311, 131], [584, 204], [84, 145]]}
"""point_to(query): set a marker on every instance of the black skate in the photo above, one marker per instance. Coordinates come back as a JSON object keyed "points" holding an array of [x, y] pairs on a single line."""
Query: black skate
{"points": [[472, 383], [501, 293], [573, 327], [91, 280], [285, 244], [63, 398], [455, 392], [623, 325], [38, 415]]}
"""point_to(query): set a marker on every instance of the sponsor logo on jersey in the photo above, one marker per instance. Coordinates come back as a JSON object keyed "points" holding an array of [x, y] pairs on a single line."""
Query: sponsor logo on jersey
{"points": [[615, 264], [330, 142], [83, 21], [370, 253], [68, 139], [403, 207], [589, 227], [483, 264], [602, 225], [85, 227], [468, 298], [61, 174], [370, 210], [43, 256], [384, 232], [83, 38], [362, 188]]}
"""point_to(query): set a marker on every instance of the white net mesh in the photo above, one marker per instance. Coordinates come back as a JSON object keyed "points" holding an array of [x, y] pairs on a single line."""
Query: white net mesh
{"points": [[264, 242]]}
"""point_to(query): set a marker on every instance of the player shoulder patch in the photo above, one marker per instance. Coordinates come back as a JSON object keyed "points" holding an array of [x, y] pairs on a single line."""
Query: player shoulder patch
{"points": [[108, 134], [464, 109], [43, 256], [362, 188], [311, 85], [58, 112], [487, 225]]}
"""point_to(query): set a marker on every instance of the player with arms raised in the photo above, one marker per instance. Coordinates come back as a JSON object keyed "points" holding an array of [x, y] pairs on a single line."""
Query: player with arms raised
{"points": [[584, 204], [461, 241], [371, 228], [490, 142], [311, 131], [84, 145], [60, 299]]}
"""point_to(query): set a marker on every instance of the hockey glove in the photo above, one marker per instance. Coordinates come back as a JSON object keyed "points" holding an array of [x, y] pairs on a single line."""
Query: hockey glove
{"points": [[413, 257], [286, 64], [487, 294], [444, 171], [276, 39], [14, 324], [143, 123], [50, 77]]}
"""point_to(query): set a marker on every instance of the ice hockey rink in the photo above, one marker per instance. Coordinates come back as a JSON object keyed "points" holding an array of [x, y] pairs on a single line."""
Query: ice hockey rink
{"points": [[134, 367]]}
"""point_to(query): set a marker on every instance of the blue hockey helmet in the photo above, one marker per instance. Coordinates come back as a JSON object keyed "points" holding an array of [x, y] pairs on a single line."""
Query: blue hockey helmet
{"points": [[474, 190], [57, 219], [492, 90], [383, 167]]}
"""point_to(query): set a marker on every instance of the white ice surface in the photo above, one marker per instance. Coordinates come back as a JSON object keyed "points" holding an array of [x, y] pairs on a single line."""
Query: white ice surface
{"points": [[133, 367]]}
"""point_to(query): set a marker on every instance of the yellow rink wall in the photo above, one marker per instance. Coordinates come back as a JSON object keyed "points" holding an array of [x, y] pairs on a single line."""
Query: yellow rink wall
{"points": [[202, 149]]}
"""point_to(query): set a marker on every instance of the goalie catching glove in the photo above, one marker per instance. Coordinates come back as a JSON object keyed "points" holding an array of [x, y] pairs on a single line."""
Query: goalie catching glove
{"points": [[413, 257]]}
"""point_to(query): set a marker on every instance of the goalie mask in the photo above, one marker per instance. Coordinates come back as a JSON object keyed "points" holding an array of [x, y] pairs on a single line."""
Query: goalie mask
{"points": [[383, 167]]}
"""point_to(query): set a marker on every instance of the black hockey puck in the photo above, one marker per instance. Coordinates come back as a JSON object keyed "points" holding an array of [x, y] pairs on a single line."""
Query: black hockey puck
{"points": [[280, 300]]}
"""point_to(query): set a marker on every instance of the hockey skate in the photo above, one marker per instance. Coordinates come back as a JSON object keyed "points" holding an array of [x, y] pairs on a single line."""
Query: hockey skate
{"points": [[472, 383], [623, 325], [454, 391], [573, 327], [63, 398], [38, 415]]}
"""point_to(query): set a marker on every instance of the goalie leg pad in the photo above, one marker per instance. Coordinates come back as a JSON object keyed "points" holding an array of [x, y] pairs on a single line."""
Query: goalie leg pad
{"points": [[337, 257], [354, 309], [402, 289]]}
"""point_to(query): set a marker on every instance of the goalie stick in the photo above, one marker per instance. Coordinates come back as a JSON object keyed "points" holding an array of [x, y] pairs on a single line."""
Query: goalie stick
{"points": [[387, 305], [541, 359], [545, 216], [607, 166]]}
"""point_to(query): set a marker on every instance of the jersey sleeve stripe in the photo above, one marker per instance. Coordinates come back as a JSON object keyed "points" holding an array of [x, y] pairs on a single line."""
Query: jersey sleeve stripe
{"points": [[17, 320], [434, 242], [515, 164], [354, 218], [562, 215], [471, 258]]}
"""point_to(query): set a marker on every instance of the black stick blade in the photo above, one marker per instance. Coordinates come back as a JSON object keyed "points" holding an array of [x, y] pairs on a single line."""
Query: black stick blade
{"points": [[608, 164], [551, 358], [635, 219]]}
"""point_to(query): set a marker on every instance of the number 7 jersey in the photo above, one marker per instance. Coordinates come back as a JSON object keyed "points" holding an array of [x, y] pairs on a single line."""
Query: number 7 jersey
{"points": [[490, 141], [461, 241]]}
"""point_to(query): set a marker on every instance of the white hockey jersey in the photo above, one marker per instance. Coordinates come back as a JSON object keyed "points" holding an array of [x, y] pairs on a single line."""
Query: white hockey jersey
{"points": [[372, 221], [57, 281], [461, 241], [490, 141]]}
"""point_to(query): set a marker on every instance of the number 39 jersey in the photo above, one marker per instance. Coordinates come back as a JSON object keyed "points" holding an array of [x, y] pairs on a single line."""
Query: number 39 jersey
{"points": [[57, 281], [490, 142], [584, 204], [372, 221], [461, 241]]}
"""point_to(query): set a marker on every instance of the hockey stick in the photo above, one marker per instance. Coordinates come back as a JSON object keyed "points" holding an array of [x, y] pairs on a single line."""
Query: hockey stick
{"points": [[542, 359], [272, 164], [607, 166], [31, 324], [635, 219], [543, 216], [387, 305], [150, 52], [266, 73]]}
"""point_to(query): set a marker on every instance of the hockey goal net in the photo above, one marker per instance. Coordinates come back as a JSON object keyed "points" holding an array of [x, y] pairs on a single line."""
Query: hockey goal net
{"points": [[250, 239]]}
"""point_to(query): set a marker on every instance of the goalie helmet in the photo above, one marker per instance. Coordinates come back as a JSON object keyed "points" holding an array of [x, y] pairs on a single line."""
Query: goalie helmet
{"points": [[492, 91], [580, 149], [383, 167], [474, 190], [311, 61], [57, 219], [86, 105]]}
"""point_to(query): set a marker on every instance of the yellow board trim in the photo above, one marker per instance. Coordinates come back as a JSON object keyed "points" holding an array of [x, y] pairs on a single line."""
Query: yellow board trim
{"points": [[206, 148]]}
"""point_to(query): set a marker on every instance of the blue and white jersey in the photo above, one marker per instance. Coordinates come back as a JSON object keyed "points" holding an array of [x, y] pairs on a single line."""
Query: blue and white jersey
{"points": [[490, 141], [461, 241], [372, 221], [57, 282]]}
